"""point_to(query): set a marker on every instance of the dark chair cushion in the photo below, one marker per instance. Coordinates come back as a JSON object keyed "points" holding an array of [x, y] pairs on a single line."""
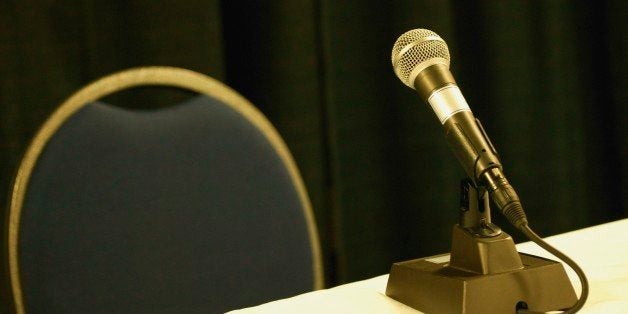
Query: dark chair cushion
{"points": [[181, 210]]}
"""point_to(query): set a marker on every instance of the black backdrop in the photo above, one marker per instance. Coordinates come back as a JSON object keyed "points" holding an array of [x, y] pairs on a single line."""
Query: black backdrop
{"points": [[547, 78]]}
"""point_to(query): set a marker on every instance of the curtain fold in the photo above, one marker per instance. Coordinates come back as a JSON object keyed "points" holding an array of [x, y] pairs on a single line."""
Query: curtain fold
{"points": [[547, 79]]}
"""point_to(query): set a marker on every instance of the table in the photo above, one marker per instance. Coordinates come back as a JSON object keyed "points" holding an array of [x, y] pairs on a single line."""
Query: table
{"points": [[601, 251]]}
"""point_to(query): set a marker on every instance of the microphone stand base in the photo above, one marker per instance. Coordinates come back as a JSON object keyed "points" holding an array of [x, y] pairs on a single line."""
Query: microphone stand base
{"points": [[430, 285]]}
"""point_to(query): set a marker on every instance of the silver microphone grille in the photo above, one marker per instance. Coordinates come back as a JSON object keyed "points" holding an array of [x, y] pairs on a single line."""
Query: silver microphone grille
{"points": [[414, 51]]}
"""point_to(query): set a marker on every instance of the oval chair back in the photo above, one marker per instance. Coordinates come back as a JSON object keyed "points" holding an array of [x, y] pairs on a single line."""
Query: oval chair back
{"points": [[194, 208]]}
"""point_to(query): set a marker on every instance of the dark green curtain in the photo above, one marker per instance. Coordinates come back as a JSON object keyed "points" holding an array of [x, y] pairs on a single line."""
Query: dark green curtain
{"points": [[547, 78]]}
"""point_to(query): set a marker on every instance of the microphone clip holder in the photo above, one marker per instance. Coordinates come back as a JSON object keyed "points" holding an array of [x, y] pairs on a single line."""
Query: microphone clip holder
{"points": [[475, 211], [484, 272]]}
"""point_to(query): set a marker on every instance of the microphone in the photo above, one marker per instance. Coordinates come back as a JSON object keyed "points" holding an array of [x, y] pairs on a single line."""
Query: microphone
{"points": [[420, 58]]}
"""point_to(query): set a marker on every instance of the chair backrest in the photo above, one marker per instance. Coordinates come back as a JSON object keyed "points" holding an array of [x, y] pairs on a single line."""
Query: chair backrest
{"points": [[195, 208]]}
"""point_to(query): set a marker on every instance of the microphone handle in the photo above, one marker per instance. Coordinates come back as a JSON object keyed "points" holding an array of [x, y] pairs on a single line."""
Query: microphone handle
{"points": [[468, 140], [436, 86]]}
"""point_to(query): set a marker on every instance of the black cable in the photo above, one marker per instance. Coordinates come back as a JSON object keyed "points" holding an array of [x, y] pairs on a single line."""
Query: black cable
{"points": [[527, 231]]}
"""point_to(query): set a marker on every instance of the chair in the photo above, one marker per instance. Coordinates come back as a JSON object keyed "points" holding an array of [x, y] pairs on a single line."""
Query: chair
{"points": [[194, 208]]}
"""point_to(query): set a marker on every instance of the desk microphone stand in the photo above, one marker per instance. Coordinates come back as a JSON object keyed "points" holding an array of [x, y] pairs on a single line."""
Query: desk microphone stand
{"points": [[484, 272]]}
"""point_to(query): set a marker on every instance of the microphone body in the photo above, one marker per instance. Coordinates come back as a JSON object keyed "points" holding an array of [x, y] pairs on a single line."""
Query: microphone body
{"points": [[467, 138]]}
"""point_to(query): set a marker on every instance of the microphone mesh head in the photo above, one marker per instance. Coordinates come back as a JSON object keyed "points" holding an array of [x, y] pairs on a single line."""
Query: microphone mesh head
{"points": [[415, 50]]}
